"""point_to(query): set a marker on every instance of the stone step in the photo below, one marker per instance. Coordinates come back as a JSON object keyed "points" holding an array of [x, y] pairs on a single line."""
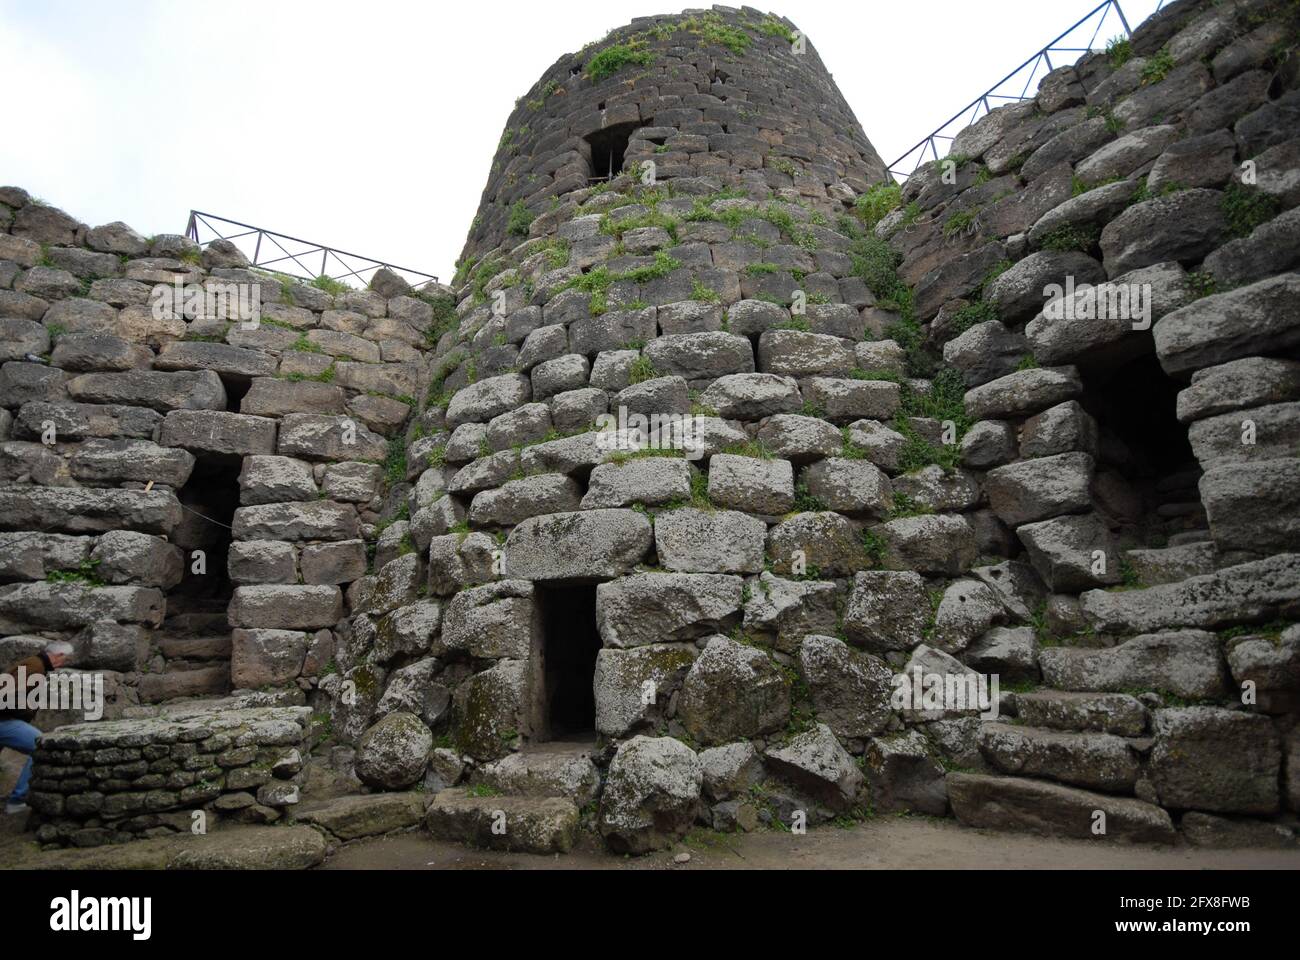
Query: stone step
{"points": [[518, 824], [185, 647], [1100, 761], [197, 622], [350, 818], [545, 770], [1050, 809], [1117, 713], [174, 684], [1171, 564]]}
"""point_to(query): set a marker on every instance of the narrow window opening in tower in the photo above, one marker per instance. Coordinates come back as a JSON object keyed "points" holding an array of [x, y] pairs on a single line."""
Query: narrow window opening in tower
{"points": [[236, 389], [570, 644], [1147, 475], [609, 148], [720, 76]]}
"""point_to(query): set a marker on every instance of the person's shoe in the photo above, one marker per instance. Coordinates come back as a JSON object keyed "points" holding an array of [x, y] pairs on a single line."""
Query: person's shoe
{"points": [[19, 807]]}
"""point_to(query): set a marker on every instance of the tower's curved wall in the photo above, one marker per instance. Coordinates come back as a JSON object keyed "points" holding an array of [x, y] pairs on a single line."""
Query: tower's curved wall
{"points": [[721, 93]]}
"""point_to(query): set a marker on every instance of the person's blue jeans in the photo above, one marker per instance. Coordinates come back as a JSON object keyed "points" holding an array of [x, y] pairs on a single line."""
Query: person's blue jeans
{"points": [[21, 736]]}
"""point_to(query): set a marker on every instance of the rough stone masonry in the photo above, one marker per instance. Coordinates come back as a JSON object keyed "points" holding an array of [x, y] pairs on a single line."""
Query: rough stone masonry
{"points": [[715, 435]]}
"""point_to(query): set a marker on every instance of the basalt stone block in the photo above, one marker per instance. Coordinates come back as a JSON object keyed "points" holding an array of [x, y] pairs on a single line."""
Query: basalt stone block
{"points": [[490, 709], [85, 510], [782, 612], [752, 396], [480, 402], [1263, 318], [1106, 324], [117, 461], [1023, 393], [733, 692], [22, 383], [218, 357], [266, 658], [985, 352], [843, 401], [286, 607], [216, 431], [493, 622], [821, 544], [1185, 663], [621, 680], [1034, 490], [793, 353], [1183, 226], [816, 765], [887, 610], [1053, 810], [939, 544], [651, 795], [61, 606], [517, 500], [578, 547], [315, 437], [123, 556], [701, 356], [853, 487], [800, 439], [201, 390], [666, 607], [850, 690], [1252, 381], [271, 479], [275, 398], [1224, 761], [314, 520], [261, 562], [651, 481], [934, 489], [700, 541], [1253, 506], [1072, 553], [751, 485], [409, 630]]}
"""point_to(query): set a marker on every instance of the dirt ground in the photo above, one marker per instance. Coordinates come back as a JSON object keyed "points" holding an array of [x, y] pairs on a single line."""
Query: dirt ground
{"points": [[889, 843]]}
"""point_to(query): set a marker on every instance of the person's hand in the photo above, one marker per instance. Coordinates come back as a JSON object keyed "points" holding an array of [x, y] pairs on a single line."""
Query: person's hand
{"points": [[57, 660]]}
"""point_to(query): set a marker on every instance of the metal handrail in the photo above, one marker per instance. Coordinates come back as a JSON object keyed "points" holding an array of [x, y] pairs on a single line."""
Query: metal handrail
{"points": [[283, 260], [971, 112]]}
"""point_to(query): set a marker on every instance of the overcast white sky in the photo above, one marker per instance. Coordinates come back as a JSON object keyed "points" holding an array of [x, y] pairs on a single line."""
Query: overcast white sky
{"points": [[371, 126]]}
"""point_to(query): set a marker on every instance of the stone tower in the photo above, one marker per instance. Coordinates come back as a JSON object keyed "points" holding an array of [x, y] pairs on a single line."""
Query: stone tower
{"points": [[718, 453]]}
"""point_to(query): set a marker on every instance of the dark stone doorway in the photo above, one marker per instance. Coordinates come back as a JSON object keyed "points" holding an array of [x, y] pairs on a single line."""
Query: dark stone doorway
{"points": [[570, 644]]}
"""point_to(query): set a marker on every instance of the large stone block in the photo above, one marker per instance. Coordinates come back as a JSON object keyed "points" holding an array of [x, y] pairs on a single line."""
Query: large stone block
{"points": [[578, 547], [157, 390], [286, 607], [651, 795], [1224, 761], [85, 510], [710, 541], [313, 520], [733, 692], [664, 607], [623, 678], [1185, 663], [216, 431]]}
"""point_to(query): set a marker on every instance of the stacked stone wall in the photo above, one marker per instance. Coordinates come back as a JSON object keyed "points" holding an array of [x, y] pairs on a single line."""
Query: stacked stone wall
{"points": [[802, 433]]}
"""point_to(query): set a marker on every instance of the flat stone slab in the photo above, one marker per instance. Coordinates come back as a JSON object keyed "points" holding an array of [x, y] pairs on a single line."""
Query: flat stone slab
{"points": [[228, 848], [1013, 803], [520, 824], [349, 818]]}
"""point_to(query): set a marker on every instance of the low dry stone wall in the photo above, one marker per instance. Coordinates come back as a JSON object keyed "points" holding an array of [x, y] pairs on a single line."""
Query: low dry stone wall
{"points": [[106, 782]]}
